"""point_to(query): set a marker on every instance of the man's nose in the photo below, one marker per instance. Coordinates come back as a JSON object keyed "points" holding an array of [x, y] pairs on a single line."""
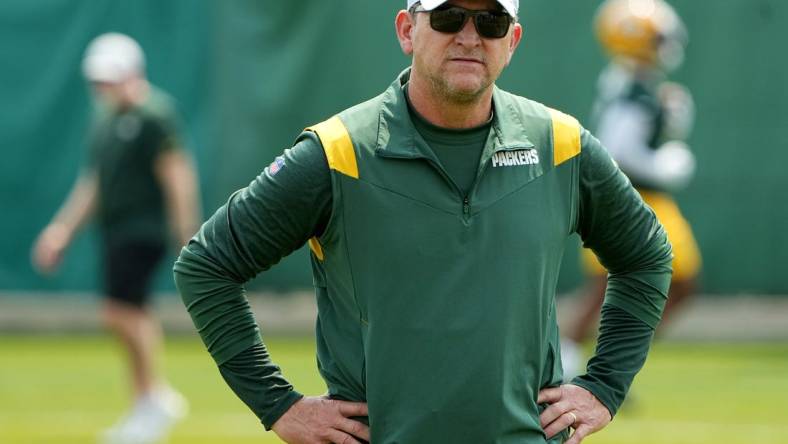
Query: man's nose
{"points": [[468, 36]]}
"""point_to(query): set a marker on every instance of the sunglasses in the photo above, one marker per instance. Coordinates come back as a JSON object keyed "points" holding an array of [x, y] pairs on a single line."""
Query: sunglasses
{"points": [[451, 19]]}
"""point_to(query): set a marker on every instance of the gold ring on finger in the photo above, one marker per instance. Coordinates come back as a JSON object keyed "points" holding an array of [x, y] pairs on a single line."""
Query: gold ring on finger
{"points": [[574, 418]]}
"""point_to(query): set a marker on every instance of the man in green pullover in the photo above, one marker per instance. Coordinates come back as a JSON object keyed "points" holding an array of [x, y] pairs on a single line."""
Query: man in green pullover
{"points": [[437, 215]]}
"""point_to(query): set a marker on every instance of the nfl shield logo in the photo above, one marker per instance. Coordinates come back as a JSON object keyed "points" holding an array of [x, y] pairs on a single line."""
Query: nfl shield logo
{"points": [[276, 165]]}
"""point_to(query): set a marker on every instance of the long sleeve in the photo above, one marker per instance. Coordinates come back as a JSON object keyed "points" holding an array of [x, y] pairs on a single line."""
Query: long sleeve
{"points": [[621, 351], [631, 243], [260, 224], [258, 383]]}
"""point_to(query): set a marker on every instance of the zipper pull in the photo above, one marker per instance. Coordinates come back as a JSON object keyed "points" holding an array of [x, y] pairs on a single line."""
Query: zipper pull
{"points": [[466, 206]]}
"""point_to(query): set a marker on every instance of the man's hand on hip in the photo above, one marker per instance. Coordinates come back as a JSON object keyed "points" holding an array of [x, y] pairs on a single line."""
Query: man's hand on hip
{"points": [[319, 420], [572, 406]]}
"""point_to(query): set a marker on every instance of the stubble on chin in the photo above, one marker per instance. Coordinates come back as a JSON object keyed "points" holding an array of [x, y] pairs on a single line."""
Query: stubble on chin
{"points": [[443, 88]]}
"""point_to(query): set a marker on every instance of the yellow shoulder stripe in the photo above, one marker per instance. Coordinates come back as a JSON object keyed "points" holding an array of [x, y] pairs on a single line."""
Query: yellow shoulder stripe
{"points": [[338, 146], [566, 137], [316, 248]]}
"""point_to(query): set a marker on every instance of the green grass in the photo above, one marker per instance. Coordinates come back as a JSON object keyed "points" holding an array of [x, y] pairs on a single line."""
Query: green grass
{"points": [[67, 389]]}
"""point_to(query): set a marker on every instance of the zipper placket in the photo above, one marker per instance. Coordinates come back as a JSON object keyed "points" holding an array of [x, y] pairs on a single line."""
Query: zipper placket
{"points": [[464, 198]]}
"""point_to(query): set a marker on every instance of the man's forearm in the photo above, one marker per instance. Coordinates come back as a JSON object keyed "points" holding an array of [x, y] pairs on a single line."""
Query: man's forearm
{"points": [[621, 351], [79, 206], [224, 320], [259, 384], [216, 304]]}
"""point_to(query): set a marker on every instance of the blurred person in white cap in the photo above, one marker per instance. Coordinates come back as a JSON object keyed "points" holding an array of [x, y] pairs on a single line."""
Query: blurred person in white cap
{"points": [[436, 214], [139, 186], [644, 120]]}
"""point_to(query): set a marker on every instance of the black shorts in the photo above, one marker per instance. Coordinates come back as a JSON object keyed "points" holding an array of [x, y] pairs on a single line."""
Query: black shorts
{"points": [[128, 269]]}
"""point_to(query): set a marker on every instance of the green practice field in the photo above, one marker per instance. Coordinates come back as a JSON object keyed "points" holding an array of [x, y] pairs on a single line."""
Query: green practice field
{"points": [[66, 389]]}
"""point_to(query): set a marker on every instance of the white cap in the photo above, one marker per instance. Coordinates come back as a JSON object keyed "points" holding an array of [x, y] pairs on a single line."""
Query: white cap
{"points": [[511, 6], [112, 58]]}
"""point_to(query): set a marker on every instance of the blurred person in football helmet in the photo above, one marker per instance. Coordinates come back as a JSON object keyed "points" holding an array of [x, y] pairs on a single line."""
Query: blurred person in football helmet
{"points": [[644, 120]]}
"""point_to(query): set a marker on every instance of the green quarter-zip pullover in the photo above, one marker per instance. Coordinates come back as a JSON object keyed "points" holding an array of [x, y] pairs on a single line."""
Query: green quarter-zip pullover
{"points": [[436, 304]]}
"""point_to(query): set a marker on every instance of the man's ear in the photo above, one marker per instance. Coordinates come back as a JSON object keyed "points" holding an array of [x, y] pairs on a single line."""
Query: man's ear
{"points": [[404, 25], [517, 36]]}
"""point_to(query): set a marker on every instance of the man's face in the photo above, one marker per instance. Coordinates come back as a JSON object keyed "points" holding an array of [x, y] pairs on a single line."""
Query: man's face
{"points": [[460, 66], [119, 95], [111, 94]]}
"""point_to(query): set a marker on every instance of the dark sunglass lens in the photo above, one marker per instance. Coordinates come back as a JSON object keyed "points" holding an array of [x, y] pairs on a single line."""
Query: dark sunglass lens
{"points": [[448, 19], [492, 25]]}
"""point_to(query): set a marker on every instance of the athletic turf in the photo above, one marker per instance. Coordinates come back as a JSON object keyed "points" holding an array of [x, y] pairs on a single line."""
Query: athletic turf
{"points": [[65, 390]]}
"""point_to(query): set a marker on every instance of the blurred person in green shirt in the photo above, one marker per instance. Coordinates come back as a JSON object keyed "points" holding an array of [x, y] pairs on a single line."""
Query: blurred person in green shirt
{"points": [[139, 186]]}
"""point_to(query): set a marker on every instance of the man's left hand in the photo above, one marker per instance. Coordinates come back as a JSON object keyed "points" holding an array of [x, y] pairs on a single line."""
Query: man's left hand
{"points": [[572, 406]]}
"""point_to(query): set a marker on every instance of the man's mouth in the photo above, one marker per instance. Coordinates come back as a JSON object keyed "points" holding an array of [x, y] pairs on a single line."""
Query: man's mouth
{"points": [[467, 60]]}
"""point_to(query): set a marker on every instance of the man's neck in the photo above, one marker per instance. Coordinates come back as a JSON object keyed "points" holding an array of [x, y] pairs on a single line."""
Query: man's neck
{"points": [[445, 113]]}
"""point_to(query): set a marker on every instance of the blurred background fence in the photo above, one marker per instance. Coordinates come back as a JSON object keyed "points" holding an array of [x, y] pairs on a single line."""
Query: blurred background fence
{"points": [[250, 74]]}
